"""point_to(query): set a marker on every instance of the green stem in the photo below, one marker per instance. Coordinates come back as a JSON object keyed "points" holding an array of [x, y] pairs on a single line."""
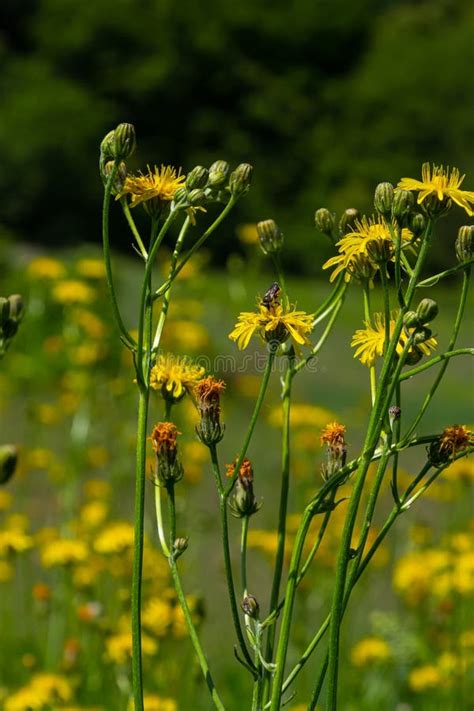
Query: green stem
{"points": [[243, 555], [434, 361], [396, 439], [452, 342], [332, 296], [137, 678], [133, 227], [367, 317], [159, 521], [336, 307], [386, 305], [431, 281], [126, 337]]}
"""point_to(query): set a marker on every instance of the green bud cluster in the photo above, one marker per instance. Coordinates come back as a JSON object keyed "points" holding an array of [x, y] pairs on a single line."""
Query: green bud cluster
{"points": [[116, 146], [214, 184], [12, 310]]}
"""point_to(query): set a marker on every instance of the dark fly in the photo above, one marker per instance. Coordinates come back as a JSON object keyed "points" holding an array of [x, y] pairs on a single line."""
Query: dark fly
{"points": [[271, 296]]}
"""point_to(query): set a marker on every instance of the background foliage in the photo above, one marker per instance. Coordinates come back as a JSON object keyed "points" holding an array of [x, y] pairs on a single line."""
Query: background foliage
{"points": [[325, 98]]}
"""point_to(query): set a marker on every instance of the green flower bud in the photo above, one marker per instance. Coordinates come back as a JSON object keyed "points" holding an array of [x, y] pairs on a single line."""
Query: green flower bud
{"points": [[240, 178], [383, 199], [346, 223], [427, 311], [17, 307], [4, 310], [270, 236], [197, 178], [218, 173], [464, 244], [324, 221], [179, 546], [120, 175], [125, 141], [197, 197], [8, 462], [416, 223], [250, 606], [403, 202], [422, 334], [107, 147], [181, 195], [411, 319]]}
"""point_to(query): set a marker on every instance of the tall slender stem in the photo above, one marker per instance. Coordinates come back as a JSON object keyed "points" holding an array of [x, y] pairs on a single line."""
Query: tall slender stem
{"points": [[367, 316]]}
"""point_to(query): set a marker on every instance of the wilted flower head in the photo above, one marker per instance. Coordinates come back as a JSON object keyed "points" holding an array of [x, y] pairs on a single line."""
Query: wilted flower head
{"points": [[164, 440], [333, 437], [174, 376], [369, 342], [442, 184], [452, 440], [207, 392], [244, 502]]}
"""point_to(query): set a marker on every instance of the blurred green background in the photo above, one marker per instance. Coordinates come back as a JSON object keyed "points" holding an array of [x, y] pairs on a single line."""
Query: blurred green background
{"points": [[326, 98]]}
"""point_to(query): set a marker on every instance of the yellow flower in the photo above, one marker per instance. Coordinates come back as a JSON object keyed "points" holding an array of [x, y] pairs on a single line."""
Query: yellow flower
{"points": [[73, 291], [462, 470], [152, 702], [6, 571], [369, 342], [175, 375], [157, 616], [44, 690], [14, 541], [91, 268], [247, 233], [97, 489], [422, 678], [63, 552], [160, 183], [357, 248], [116, 538], [119, 647], [442, 183], [187, 335], [370, 651], [92, 324], [302, 415], [272, 323], [5, 500], [93, 513], [46, 268]]}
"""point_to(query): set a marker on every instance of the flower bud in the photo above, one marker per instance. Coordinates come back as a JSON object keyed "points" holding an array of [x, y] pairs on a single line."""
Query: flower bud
{"points": [[434, 207], [4, 310], [196, 197], [120, 175], [240, 178], [379, 250], [168, 467], [8, 462], [125, 141], [383, 199], [333, 437], [346, 223], [107, 145], [250, 606], [17, 307], [417, 224], [324, 221], [197, 178], [427, 311], [403, 202], [209, 429], [181, 195], [270, 236], [361, 268], [414, 355], [218, 173], [411, 319], [179, 546], [244, 502], [394, 413], [464, 244], [422, 334]]}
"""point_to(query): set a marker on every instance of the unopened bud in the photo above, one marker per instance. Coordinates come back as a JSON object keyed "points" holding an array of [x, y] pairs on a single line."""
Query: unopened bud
{"points": [[17, 307], [427, 311], [107, 145], [179, 546], [125, 141], [464, 243], [168, 467], [210, 430], [417, 224], [196, 197], [394, 413], [8, 461], [346, 223], [4, 310], [403, 202], [325, 221], [250, 606], [240, 178], [270, 236], [411, 319], [218, 173], [422, 334], [414, 355], [120, 175], [383, 199], [197, 178]]}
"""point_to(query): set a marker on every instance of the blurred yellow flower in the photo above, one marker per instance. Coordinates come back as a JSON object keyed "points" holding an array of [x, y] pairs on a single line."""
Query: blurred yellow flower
{"points": [[119, 647], [152, 702], [116, 538], [185, 334], [158, 184], [462, 470], [157, 616], [97, 489], [90, 322], [14, 541], [73, 291], [98, 456], [93, 513], [442, 183], [43, 691], [91, 268], [370, 650], [303, 414], [5, 500], [175, 375], [266, 541], [426, 677], [369, 342], [6, 571], [247, 233], [65, 551], [46, 268]]}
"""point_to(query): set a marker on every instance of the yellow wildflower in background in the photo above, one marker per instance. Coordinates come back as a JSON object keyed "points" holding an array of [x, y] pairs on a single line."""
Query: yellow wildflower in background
{"points": [[302, 414], [73, 291], [14, 541], [93, 513], [116, 538], [152, 702], [369, 342], [43, 691], [119, 647], [46, 268], [272, 323], [91, 268], [157, 616], [422, 678], [370, 651], [159, 183], [175, 375], [66, 551], [187, 335], [5, 500], [442, 183], [247, 233]]}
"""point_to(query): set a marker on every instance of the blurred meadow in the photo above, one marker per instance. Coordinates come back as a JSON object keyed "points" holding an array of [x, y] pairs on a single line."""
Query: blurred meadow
{"points": [[325, 99]]}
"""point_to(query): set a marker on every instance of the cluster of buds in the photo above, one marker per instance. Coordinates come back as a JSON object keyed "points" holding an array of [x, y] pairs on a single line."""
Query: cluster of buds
{"points": [[168, 467], [464, 245], [213, 184], [325, 222], [116, 147], [209, 429], [12, 311], [451, 441], [416, 322], [244, 501], [270, 237], [333, 437], [8, 462]]}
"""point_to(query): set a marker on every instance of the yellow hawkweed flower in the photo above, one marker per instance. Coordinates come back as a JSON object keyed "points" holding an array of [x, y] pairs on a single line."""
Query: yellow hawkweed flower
{"points": [[117, 537], [302, 414], [369, 236], [369, 342], [442, 183], [43, 691], [73, 291], [175, 375], [63, 552], [272, 323], [159, 183], [157, 616], [369, 651]]}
